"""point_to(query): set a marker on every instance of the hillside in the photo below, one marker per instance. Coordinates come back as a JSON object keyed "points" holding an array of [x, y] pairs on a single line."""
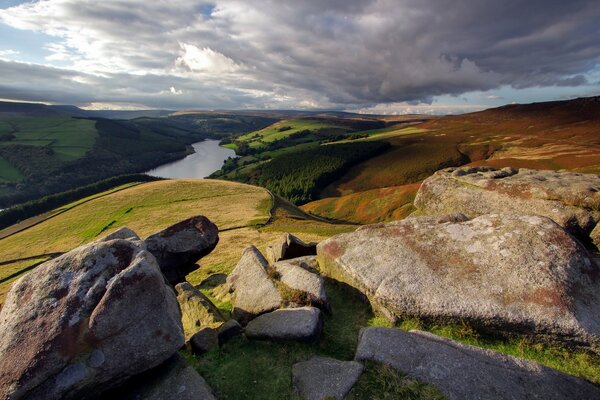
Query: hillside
{"points": [[50, 149], [550, 135]]}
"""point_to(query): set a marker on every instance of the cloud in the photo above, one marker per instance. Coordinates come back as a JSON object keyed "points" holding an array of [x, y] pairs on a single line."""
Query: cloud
{"points": [[334, 54]]}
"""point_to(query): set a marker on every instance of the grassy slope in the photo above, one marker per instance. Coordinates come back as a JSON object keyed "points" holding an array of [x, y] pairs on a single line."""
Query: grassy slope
{"points": [[271, 133], [245, 369], [70, 138]]}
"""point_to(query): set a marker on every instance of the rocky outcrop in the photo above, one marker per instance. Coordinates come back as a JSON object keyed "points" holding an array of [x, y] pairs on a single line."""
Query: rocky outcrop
{"points": [[571, 199], [299, 274], [511, 272], [288, 246], [121, 233], [254, 293], [197, 311], [465, 372], [323, 378], [300, 324], [86, 321], [178, 247], [172, 380]]}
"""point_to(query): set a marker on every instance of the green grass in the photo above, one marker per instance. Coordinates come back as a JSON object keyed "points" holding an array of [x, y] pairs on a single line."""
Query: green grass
{"points": [[70, 138], [8, 173], [245, 369], [258, 139]]}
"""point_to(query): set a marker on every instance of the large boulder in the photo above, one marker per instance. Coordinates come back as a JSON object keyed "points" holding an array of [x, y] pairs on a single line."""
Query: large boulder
{"points": [[86, 321], [301, 324], [288, 246], [323, 378], [172, 380], [571, 199], [204, 340], [178, 247], [254, 293], [197, 311], [510, 272], [299, 275], [463, 372]]}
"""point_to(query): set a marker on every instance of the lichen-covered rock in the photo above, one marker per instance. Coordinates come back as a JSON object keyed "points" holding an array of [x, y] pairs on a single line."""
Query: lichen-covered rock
{"points": [[511, 272], [288, 246], [299, 274], [463, 372], [571, 199], [323, 378], [300, 324], [121, 233], [86, 321], [254, 293], [172, 380], [178, 247], [197, 311]]}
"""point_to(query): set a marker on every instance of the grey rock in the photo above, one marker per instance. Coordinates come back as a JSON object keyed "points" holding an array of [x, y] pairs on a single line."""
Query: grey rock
{"points": [[508, 272], [172, 380], [197, 311], [86, 321], [570, 199], [463, 372], [323, 378], [121, 233], [288, 246], [178, 247], [301, 324], [254, 293], [299, 274], [204, 340], [229, 330]]}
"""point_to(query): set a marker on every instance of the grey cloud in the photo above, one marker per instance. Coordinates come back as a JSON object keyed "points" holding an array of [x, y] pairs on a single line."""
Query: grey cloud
{"points": [[337, 53]]}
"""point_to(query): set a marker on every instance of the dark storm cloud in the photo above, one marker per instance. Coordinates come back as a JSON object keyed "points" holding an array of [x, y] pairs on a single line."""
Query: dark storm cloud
{"points": [[308, 53]]}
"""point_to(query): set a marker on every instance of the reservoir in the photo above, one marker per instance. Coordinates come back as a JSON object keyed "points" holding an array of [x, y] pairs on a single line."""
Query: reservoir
{"points": [[208, 158]]}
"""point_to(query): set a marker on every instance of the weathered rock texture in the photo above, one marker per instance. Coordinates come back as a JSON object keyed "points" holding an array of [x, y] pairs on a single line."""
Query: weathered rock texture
{"points": [[254, 293], [323, 378], [571, 199], [288, 246], [301, 324], [204, 340], [465, 372], [86, 321], [229, 330], [197, 311], [299, 274], [178, 247], [121, 233], [172, 380], [498, 270]]}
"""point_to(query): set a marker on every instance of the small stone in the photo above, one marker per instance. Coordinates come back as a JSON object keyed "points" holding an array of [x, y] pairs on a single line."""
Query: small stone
{"points": [[301, 324], [229, 330], [204, 341], [288, 246]]}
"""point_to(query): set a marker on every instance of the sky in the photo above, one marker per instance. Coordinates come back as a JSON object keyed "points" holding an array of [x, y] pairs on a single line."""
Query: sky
{"points": [[378, 56]]}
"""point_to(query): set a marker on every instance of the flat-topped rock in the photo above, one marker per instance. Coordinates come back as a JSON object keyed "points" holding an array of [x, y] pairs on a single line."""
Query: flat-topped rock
{"points": [[86, 321], [178, 247], [463, 372], [508, 272], [254, 293], [571, 199], [288, 246], [197, 311], [298, 274], [323, 378], [300, 324]]}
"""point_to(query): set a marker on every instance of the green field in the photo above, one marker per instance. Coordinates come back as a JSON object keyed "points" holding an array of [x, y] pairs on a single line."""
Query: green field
{"points": [[70, 138], [8, 173], [283, 129]]}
